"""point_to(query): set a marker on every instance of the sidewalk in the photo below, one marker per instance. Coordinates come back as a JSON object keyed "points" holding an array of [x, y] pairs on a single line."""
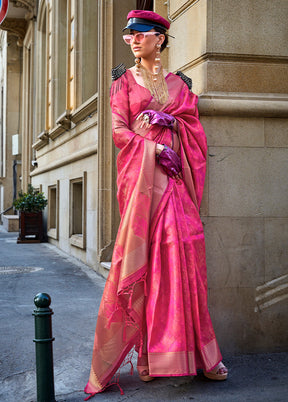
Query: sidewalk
{"points": [[76, 290]]}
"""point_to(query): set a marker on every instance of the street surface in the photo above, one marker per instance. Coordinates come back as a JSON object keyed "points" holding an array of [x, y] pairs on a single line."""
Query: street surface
{"points": [[75, 290]]}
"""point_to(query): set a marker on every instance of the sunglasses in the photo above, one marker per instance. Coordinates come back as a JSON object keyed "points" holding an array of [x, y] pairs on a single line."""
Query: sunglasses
{"points": [[138, 37]]}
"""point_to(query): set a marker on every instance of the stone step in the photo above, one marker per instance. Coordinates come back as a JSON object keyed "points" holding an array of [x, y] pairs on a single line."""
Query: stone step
{"points": [[105, 268], [11, 223]]}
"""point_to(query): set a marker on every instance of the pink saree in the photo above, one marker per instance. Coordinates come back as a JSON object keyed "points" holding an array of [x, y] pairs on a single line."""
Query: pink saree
{"points": [[155, 298]]}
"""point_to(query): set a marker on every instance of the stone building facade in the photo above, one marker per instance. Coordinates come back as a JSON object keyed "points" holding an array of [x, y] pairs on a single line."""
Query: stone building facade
{"points": [[236, 54]]}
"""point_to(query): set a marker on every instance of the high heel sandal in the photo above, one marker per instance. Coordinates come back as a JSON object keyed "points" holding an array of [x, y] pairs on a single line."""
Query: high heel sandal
{"points": [[142, 371], [215, 374]]}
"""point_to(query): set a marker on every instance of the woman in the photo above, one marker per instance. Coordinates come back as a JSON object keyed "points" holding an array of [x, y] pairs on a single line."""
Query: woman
{"points": [[155, 298]]}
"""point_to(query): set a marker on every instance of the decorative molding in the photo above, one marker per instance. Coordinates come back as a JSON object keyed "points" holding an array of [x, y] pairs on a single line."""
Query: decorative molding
{"points": [[86, 109], [243, 104], [65, 120], [68, 159], [43, 136], [228, 58], [39, 144], [29, 5], [41, 16], [246, 58], [42, 141], [172, 16], [56, 131], [16, 27]]}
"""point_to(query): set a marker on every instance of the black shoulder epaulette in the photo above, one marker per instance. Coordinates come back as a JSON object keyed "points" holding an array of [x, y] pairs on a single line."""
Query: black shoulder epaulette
{"points": [[186, 79], [118, 71]]}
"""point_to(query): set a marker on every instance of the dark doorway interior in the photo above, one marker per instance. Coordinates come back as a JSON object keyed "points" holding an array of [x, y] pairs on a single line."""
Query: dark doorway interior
{"points": [[144, 5]]}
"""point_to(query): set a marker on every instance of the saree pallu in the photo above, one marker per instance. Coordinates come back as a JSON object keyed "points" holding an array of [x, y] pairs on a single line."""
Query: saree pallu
{"points": [[155, 298]]}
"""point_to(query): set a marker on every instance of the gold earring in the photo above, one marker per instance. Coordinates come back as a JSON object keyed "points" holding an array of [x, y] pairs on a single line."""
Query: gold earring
{"points": [[138, 65]]}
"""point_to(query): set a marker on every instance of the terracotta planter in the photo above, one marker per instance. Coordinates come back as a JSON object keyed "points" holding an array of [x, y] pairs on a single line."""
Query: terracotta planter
{"points": [[30, 227]]}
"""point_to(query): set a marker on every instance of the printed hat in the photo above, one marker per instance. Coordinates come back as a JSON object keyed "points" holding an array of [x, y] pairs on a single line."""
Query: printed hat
{"points": [[143, 21]]}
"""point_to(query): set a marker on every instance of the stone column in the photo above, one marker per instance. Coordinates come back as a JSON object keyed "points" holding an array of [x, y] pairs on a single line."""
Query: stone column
{"points": [[105, 150], [112, 51], [10, 117], [236, 54], [28, 105], [17, 28]]}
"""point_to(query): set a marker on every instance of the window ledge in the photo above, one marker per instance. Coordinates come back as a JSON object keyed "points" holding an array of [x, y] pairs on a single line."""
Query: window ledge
{"points": [[42, 141], [64, 120], [104, 268], [77, 240], [106, 265], [56, 131], [85, 109], [52, 233]]}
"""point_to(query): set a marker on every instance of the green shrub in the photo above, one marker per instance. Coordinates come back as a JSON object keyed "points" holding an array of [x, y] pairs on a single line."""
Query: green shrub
{"points": [[32, 201]]}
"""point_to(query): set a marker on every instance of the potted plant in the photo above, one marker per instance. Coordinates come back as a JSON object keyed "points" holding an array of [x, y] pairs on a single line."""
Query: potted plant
{"points": [[30, 205]]}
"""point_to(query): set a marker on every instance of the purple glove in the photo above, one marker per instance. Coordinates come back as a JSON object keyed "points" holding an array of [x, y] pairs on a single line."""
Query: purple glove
{"points": [[170, 161], [154, 117]]}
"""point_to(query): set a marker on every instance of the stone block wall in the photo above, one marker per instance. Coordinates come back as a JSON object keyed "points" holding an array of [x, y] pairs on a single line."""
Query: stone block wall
{"points": [[246, 229], [236, 55]]}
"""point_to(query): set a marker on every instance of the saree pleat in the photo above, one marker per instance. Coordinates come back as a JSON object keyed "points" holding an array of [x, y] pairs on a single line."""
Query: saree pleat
{"points": [[177, 291], [155, 298]]}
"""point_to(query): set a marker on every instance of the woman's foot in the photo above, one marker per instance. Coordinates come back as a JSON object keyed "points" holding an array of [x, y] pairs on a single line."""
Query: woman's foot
{"points": [[219, 373], [143, 367], [144, 375]]}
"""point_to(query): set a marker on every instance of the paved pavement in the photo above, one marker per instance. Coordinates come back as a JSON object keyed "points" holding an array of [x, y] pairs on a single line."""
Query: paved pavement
{"points": [[75, 290]]}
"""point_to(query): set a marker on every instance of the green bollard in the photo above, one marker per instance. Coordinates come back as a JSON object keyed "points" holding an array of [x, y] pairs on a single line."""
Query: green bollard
{"points": [[43, 345]]}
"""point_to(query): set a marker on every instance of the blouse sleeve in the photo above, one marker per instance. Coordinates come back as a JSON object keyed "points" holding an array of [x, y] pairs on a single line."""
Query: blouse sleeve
{"points": [[119, 102]]}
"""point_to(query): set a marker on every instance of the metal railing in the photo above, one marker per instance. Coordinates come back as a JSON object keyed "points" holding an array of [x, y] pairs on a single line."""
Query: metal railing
{"points": [[6, 210]]}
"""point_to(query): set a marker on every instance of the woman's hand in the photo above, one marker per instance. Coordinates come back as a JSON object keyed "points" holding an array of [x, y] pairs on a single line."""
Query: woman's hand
{"points": [[159, 149], [149, 117], [170, 162]]}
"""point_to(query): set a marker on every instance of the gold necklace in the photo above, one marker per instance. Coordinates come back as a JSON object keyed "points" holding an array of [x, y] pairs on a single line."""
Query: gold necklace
{"points": [[156, 84]]}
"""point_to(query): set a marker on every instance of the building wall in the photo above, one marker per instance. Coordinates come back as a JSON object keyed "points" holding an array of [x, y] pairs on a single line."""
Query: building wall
{"points": [[64, 136]]}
